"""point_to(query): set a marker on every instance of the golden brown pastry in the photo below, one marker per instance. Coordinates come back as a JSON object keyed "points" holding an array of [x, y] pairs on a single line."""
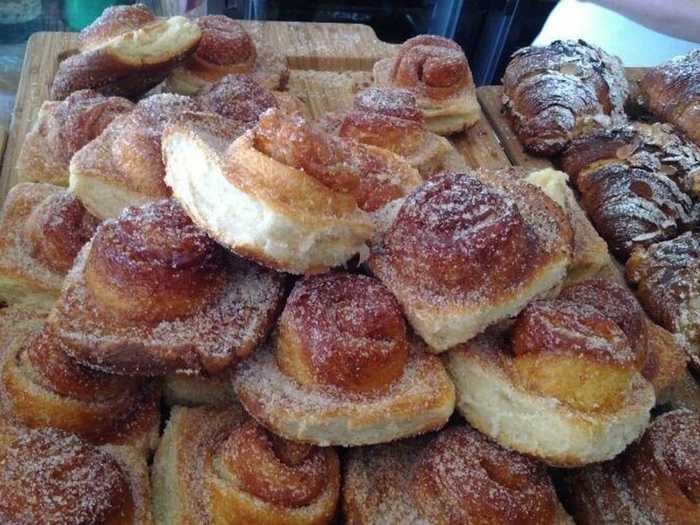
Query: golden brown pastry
{"points": [[666, 275], [553, 93], [285, 193], [125, 52], [123, 166], [436, 71], [636, 183], [655, 481], [389, 118], [151, 294], [50, 476], [660, 359], [457, 476], [467, 250], [238, 97], [61, 129], [563, 384], [228, 48], [671, 91], [342, 370], [216, 465], [42, 228]]}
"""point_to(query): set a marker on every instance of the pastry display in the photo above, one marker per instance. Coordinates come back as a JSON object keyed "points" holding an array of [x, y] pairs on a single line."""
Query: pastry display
{"points": [[636, 183], [216, 465], [126, 52], [667, 279], [436, 71], [228, 48], [50, 476], [455, 476], [61, 129], [466, 251], [342, 369], [553, 93], [654, 481], [116, 313], [42, 387], [389, 118], [159, 365], [42, 228], [123, 166], [563, 384], [671, 91], [286, 194]]}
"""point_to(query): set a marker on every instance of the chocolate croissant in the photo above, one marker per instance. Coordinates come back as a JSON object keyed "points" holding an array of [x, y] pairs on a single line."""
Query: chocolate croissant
{"points": [[671, 91], [553, 93], [636, 183]]}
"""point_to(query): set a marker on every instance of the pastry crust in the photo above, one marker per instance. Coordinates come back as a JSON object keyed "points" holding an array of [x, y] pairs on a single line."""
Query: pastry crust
{"points": [[452, 291], [198, 477], [278, 214], [41, 229], [651, 482], [229, 48], [437, 479], [192, 390], [130, 63], [61, 129], [421, 400], [538, 425], [208, 318], [48, 475], [449, 106]]}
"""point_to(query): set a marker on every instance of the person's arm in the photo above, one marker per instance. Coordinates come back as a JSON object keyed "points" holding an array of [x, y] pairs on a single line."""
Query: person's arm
{"points": [[679, 18]]}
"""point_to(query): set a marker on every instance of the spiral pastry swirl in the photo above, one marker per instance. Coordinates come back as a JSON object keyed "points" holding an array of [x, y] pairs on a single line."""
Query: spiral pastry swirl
{"points": [[44, 387], [225, 43], [56, 230], [219, 466], [49, 476], [344, 331], [238, 97], [433, 66], [152, 263]]}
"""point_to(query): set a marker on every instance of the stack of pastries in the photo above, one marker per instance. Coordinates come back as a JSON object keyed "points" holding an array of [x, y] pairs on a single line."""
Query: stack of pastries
{"points": [[235, 314]]}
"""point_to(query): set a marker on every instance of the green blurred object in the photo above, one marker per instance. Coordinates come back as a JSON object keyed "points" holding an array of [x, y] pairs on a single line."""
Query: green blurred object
{"points": [[78, 14]]}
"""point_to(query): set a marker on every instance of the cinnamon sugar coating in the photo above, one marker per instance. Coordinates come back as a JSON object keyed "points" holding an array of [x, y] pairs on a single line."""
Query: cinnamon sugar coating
{"points": [[342, 330], [225, 43], [238, 97], [114, 21]]}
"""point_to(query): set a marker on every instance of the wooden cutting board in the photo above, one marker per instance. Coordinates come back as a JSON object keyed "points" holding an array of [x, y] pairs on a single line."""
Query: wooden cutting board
{"points": [[329, 62]]}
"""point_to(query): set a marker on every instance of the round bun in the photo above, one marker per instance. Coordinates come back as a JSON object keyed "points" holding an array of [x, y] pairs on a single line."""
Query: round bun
{"points": [[455, 476], [57, 228], [238, 97], [466, 251], [343, 371], [224, 43], [342, 330]]}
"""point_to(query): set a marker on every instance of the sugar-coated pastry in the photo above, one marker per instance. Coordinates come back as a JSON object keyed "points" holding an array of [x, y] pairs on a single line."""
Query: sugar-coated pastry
{"points": [[636, 183], [436, 71], [671, 91], [285, 193], [563, 384], [590, 254], [553, 93], [228, 48], [457, 476], [42, 228], [667, 278], [126, 52], [40, 386], [342, 370], [659, 358], [50, 476], [216, 465], [468, 250], [655, 481], [61, 129], [151, 294], [123, 166], [389, 118], [238, 97]]}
